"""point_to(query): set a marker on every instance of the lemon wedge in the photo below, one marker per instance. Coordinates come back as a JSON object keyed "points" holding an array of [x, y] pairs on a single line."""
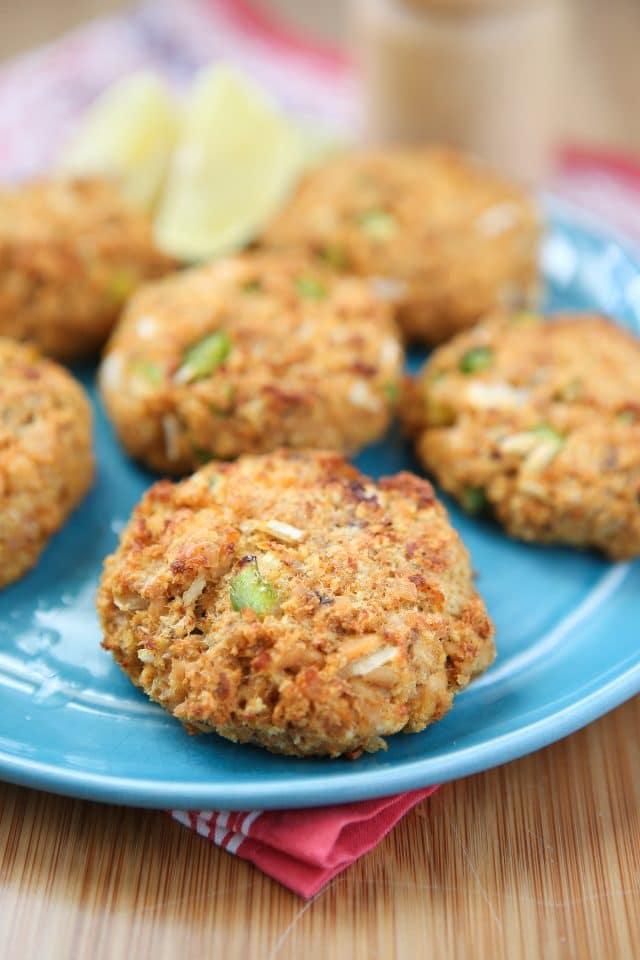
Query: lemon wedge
{"points": [[236, 160], [128, 133]]}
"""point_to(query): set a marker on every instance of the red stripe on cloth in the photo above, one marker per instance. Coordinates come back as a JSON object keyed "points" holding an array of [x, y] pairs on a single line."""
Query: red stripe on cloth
{"points": [[581, 159], [305, 849], [284, 39]]}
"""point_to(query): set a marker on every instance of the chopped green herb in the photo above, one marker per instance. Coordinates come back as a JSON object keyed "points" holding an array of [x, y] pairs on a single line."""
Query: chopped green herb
{"points": [[311, 288], [476, 360], [570, 391], [252, 286], [249, 589], [334, 256], [377, 223], [202, 455], [214, 481], [203, 357], [627, 416], [438, 413], [148, 371], [525, 318], [474, 500], [391, 392], [120, 284], [549, 434]]}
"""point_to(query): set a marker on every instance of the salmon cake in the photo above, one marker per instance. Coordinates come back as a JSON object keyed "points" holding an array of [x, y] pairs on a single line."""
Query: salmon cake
{"points": [[246, 355], [46, 460], [71, 252], [444, 239], [537, 421], [289, 601]]}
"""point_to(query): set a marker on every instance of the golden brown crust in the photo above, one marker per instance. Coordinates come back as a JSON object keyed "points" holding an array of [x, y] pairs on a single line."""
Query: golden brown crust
{"points": [[46, 462], [450, 240], [313, 360], [70, 254], [547, 431], [376, 623]]}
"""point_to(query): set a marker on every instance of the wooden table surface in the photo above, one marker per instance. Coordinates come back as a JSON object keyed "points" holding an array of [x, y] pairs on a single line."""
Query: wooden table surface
{"points": [[540, 858]]}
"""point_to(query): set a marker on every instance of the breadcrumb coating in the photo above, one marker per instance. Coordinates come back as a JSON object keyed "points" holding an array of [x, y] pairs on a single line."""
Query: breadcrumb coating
{"points": [[248, 354], [289, 601], [46, 460], [71, 252], [538, 421], [445, 239]]}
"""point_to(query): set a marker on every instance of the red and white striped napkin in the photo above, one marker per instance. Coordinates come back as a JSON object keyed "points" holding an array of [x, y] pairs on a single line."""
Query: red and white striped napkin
{"points": [[303, 849]]}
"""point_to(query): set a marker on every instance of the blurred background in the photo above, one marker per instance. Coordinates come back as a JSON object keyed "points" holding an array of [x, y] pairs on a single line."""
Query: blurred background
{"points": [[575, 75]]}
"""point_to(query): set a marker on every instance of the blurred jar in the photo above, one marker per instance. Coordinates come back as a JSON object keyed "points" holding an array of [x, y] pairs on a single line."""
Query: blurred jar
{"points": [[483, 75]]}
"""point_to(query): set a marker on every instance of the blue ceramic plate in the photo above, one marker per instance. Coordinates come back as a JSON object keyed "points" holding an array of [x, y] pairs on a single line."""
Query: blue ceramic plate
{"points": [[567, 634]]}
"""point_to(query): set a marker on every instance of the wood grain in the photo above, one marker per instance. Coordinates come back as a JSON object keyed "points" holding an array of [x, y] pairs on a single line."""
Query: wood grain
{"points": [[540, 858], [537, 858]]}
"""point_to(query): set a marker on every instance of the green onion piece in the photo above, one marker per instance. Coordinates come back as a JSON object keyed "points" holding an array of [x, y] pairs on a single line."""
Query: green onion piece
{"points": [[476, 360], [525, 318], [120, 284], [548, 434], [377, 223], [626, 416], [439, 414], [474, 500], [334, 256], [391, 392], [311, 288], [202, 455], [571, 390], [249, 589], [201, 358], [252, 286], [148, 371]]}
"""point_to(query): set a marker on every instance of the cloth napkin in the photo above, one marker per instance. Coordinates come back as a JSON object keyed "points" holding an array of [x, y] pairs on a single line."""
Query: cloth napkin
{"points": [[302, 849]]}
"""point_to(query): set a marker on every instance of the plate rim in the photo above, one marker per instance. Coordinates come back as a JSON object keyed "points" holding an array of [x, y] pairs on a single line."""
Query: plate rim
{"points": [[353, 785]]}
